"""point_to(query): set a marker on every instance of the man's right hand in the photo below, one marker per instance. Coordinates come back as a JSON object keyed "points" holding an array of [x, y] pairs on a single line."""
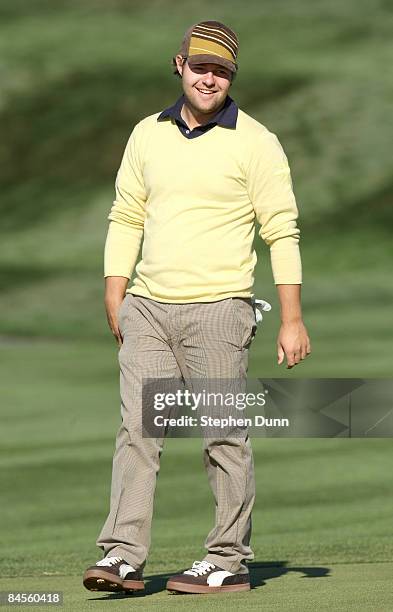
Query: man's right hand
{"points": [[115, 289]]}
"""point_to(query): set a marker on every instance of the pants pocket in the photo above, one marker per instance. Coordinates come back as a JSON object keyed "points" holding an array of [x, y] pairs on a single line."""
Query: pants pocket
{"points": [[244, 315], [122, 312]]}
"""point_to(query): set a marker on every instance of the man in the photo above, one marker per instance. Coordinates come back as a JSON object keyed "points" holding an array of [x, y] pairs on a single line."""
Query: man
{"points": [[192, 182]]}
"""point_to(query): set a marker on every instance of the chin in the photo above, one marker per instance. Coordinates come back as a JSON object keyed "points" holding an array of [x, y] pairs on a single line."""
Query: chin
{"points": [[208, 103]]}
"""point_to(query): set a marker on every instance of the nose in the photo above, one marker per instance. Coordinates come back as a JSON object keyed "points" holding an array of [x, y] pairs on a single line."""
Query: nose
{"points": [[208, 78]]}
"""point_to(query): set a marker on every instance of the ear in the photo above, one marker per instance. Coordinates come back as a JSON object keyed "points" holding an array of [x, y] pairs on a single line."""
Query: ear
{"points": [[179, 63]]}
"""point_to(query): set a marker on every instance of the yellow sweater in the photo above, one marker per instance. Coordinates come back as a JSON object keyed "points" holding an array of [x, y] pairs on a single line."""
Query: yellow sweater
{"points": [[195, 203]]}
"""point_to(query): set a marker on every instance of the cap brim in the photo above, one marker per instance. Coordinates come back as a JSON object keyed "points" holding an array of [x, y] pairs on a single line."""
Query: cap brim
{"points": [[204, 58]]}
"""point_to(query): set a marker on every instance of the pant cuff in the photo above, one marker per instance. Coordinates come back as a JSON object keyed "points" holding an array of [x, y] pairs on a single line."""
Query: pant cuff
{"points": [[236, 567], [118, 551]]}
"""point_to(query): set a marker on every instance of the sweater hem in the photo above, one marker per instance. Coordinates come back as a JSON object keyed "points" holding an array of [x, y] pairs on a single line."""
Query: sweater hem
{"points": [[167, 300]]}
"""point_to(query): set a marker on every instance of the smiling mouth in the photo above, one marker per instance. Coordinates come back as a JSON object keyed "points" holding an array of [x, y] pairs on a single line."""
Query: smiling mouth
{"points": [[205, 92]]}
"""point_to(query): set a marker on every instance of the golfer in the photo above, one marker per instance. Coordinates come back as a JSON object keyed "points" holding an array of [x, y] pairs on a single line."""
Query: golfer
{"points": [[192, 182]]}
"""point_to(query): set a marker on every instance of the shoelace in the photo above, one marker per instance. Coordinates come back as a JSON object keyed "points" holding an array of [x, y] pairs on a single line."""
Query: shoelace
{"points": [[199, 568], [108, 561]]}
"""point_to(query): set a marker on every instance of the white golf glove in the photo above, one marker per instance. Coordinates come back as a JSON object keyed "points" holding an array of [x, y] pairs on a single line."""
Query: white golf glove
{"points": [[260, 306]]}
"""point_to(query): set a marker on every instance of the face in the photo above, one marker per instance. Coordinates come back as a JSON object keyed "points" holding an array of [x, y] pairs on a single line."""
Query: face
{"points": [[205, 85]]}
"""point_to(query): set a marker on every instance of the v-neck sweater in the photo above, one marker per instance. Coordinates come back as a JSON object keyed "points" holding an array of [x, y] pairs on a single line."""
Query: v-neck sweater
{"points": [[195, 203]]}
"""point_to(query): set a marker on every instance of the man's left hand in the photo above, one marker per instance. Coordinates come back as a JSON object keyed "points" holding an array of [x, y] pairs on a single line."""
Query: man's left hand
{"points": [[293, 343]]}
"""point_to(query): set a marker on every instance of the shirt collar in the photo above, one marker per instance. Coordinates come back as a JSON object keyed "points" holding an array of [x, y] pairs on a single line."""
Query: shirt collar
{"points": [[226, 117]]}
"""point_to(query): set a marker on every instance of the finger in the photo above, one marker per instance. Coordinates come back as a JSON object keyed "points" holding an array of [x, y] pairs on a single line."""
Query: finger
{"points": [[115, 333], [295, 356], [290, 360], [118, 336], [280, 354], [308, 347]]}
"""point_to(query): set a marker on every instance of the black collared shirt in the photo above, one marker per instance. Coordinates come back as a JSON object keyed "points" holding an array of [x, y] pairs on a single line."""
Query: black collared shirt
{"points": [[225, 117]]}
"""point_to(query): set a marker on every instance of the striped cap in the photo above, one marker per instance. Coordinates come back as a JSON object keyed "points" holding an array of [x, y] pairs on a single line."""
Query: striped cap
{"points": [[210, 42]]}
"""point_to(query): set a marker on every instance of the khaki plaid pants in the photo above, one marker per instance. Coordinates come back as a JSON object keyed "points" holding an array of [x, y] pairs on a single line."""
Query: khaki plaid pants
{"points": [[194, 340]]}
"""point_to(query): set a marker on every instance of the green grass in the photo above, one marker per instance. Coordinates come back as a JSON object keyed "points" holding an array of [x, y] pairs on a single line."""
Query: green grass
{"points": [[323, 507], [280, 588], [73, 86], [346, 306], [75, 77]]}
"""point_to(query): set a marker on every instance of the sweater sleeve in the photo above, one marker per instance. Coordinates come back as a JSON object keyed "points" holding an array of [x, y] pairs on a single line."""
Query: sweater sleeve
{"points": [[127, 214], [271, 192]]}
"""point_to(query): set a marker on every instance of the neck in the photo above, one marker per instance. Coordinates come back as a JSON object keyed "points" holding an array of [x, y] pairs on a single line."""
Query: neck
{"points": [[193, 118]]}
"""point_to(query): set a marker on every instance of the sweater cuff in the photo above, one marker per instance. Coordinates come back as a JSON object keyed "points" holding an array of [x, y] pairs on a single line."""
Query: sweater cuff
{"points": [[121, 249], [285, 261]]}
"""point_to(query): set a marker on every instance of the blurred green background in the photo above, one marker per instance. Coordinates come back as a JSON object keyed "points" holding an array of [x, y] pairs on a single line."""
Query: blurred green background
{"points": [[74, 79]]}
